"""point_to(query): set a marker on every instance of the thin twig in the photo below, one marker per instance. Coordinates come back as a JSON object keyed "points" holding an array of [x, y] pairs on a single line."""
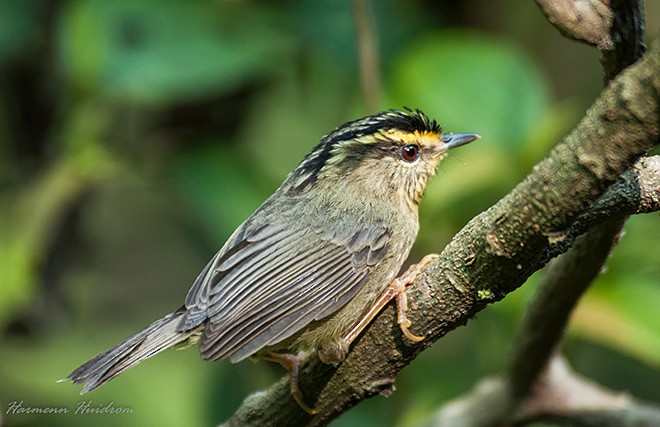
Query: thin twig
{"points": [[367, 44]]}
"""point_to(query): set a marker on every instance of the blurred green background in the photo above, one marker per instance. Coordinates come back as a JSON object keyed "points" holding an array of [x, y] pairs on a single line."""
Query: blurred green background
{"points": [[136, 135]]}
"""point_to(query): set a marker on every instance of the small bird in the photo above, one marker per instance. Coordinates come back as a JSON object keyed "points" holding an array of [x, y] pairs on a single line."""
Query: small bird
{"points": [[315, 263]]}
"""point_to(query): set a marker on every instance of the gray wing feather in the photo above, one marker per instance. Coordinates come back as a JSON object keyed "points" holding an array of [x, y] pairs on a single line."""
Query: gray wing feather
{"points": [[275, 322], [271, 282], [295, 321], [268, 284]]}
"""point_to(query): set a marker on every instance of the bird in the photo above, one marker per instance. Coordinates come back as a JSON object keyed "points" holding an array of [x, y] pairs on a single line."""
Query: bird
{"points": [[315, 263]]}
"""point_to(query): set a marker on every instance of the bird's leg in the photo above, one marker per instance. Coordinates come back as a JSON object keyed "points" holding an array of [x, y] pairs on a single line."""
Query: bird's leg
{"points": [[291, 362], [395, 290]]}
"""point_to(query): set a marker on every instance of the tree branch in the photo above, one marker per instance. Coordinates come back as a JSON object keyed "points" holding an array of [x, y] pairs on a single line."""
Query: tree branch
{"points": [[560, 396], [615, 27], [586, 21], [531, 386], [648, 173], [636, 191], [493, 255], [572, 273], [549, 310], [627, 35]]}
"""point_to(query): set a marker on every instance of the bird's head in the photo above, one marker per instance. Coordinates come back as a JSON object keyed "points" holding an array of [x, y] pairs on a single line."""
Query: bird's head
{"points": [[390, 154]]}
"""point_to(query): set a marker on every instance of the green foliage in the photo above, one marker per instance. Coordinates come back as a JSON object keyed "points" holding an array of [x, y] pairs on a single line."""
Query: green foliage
{"points": [[621, 308], [18, 20], [448, 74], [163, 52]]}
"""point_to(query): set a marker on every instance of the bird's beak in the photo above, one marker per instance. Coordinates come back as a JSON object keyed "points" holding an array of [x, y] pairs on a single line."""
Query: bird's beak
{"points": [[452, 140]]}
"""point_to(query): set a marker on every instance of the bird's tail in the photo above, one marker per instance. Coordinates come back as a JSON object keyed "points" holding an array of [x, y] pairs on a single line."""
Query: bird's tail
{"points": [[160, 335]]}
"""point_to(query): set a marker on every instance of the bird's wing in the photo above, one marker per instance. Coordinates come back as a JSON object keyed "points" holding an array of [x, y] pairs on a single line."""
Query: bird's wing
{"points": [[273, 281]]}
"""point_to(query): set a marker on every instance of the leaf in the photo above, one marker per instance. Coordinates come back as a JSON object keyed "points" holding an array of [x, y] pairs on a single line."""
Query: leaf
{"points": [[156, 52], [471, 83], [18, 22], [624, 319]]}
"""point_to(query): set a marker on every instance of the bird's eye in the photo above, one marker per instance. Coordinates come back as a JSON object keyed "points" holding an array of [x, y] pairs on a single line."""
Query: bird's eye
{"points": [[409, 153]]}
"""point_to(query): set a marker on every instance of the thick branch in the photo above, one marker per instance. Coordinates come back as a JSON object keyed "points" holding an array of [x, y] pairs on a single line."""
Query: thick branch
{"points": [[587, 21], [616, 27], [636, 191], [648, 172], [498, 401], [493, 255], [627, 35], [570, 275]]}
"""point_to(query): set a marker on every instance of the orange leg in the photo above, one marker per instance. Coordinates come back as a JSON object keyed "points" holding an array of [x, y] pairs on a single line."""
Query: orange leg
{"points": [[395, 290], [291, 363]]}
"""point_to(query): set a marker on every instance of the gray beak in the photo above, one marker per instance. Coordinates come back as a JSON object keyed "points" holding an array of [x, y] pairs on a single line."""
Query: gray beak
{"points": [[456, 140]]}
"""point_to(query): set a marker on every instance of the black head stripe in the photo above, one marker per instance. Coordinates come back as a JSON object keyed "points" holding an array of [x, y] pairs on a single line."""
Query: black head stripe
{"points": [[407, 121]]}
